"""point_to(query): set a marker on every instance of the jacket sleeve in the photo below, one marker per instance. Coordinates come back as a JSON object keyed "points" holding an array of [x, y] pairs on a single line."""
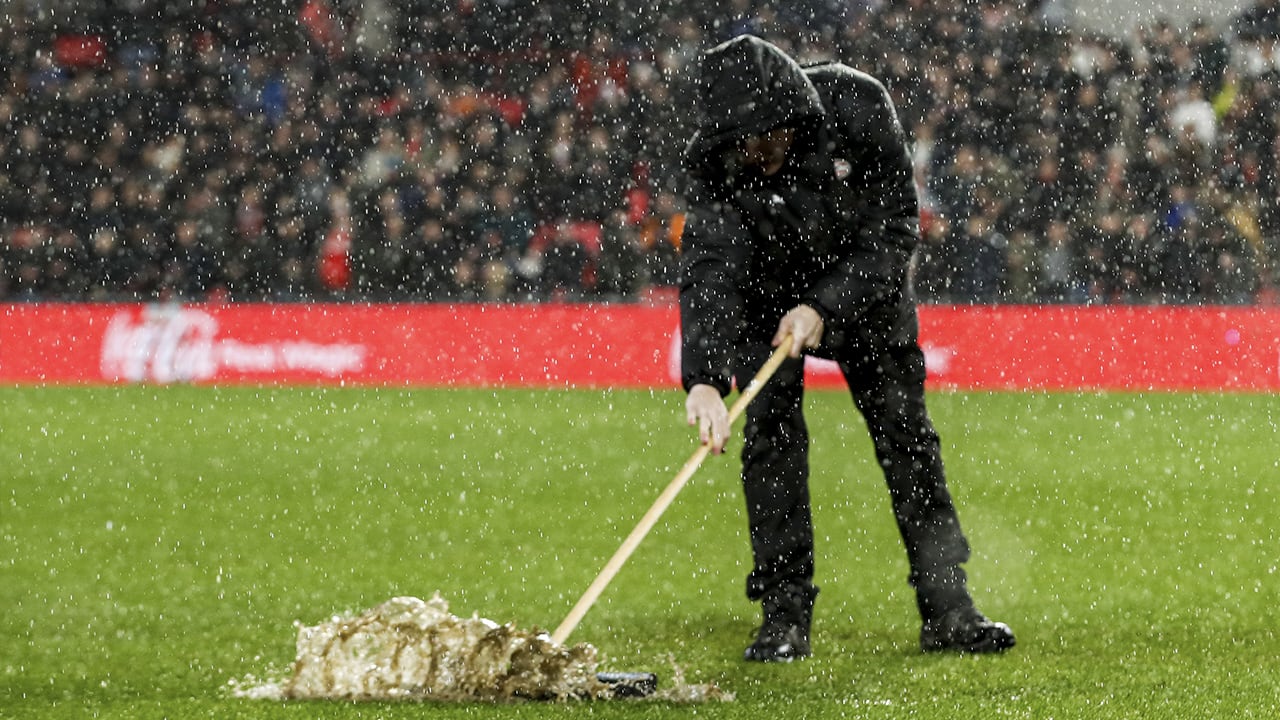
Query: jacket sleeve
{"points": [[714, 254], [872, 266]]}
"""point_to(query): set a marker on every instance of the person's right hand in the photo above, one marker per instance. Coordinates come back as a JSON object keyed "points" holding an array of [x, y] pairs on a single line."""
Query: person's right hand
{"points": [[707, 410]]}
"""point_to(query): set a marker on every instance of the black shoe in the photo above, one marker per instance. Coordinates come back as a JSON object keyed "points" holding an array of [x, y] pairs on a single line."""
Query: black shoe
{"points": [[965, 630], [784, 634]]}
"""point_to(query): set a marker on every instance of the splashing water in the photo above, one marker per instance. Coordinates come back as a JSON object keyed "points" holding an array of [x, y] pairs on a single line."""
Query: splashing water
{"points": [[411, 649]]}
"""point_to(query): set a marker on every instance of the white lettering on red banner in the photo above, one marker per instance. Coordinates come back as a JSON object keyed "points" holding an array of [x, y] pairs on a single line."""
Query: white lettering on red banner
{"points": [[167, 344]]}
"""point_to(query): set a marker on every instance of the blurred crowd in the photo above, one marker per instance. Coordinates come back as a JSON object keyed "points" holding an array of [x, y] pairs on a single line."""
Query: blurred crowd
{"points": [[459, 150]]}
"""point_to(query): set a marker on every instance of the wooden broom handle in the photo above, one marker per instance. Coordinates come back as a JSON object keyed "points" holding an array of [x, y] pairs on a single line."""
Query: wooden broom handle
{"points": [[664, 500]]}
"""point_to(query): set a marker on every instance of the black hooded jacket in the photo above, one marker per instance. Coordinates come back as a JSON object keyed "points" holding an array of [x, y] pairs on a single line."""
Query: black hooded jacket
{"points": [[834, 228]]}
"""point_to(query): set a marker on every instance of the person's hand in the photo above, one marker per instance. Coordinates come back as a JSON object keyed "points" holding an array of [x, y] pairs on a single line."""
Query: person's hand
{"points": [[706, 409], [805, 324]]}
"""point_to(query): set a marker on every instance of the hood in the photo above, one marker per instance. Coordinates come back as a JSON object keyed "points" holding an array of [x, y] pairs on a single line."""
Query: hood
{"points": [[747, 87]]}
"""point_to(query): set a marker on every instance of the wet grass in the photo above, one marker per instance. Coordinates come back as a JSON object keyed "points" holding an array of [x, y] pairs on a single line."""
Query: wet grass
{"points": [[156, 543]]}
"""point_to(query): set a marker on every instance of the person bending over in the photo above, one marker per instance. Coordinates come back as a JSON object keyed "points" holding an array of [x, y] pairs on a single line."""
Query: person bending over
{"points": [[802, 220]]}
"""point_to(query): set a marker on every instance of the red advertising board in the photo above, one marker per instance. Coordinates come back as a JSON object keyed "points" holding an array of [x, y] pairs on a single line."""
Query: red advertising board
{"points": [[437, 345], [978, 347], [1102, 348]]}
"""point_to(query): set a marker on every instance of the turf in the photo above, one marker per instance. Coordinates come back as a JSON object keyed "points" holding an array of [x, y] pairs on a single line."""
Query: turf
{"points": [[157, 542]]}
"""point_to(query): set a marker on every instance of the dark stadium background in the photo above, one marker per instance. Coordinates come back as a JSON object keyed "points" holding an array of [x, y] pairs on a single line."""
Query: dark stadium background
{"points": [[527, 151]]}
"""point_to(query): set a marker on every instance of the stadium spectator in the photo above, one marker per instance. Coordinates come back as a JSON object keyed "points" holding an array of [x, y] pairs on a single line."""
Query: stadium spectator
{"points": [[619, 269], [1060, 278], [660, 231]]}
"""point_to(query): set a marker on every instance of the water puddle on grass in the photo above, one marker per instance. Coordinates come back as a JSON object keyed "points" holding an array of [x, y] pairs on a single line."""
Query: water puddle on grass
{"points": [[412, 649]]}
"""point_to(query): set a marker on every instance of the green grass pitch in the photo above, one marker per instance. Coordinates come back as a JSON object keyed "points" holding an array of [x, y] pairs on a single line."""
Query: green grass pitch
{"points": [[157, 542]]}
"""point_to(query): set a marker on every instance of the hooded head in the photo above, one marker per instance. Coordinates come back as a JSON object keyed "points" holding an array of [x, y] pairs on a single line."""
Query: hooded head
{"points": [[748, 87]]}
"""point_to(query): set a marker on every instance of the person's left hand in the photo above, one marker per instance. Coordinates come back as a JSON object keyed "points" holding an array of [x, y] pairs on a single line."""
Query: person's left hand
{"points": [[805, 324]]}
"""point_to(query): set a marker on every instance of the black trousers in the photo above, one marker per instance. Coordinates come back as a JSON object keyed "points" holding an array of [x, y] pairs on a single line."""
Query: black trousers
{"points": [[884, 368]]}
